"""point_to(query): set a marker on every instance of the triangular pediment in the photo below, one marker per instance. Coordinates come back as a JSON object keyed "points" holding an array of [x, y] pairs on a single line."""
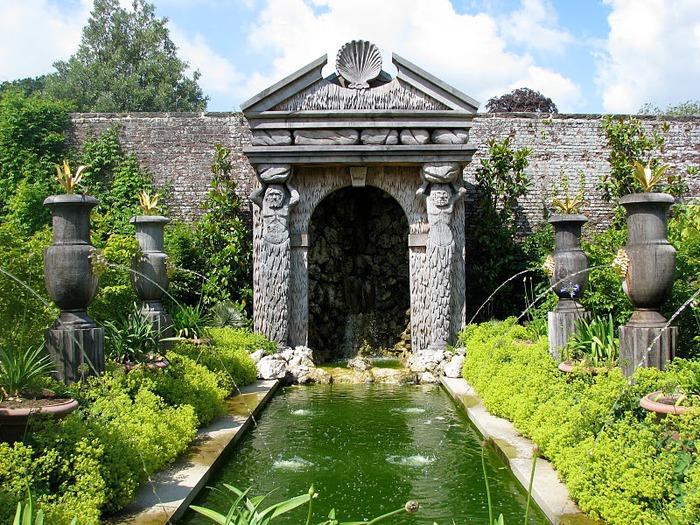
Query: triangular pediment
{"points": [[413, 89]]}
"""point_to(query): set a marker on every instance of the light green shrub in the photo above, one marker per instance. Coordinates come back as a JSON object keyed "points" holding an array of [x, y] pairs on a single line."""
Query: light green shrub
{"points": [[620, 464]]}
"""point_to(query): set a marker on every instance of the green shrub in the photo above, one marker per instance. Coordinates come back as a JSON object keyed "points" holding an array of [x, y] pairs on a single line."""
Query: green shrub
{"points": [[620, 464], [228, 355]]}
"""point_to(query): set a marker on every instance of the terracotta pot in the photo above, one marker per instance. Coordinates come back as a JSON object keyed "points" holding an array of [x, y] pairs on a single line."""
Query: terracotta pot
{"points": [[14, 422], [652, 260], [568, 367], [663, 404], [70, 281], [569, 278]]}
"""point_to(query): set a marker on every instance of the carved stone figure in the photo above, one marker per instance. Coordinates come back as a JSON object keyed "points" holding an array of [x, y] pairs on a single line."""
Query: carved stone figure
{"points": [[275, 202], [440, 251]]}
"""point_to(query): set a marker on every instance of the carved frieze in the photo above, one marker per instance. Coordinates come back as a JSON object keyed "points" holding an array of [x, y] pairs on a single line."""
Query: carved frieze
{"points": [[413, 137], [316, 137], [275, 137], [379, 136], [450, 136]]}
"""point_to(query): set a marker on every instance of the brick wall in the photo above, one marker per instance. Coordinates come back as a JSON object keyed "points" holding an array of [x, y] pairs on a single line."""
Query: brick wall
{"points": [[178, 149]]}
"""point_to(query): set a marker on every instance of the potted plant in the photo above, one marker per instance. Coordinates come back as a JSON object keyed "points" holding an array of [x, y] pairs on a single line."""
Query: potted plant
{"points": [[70, 280], [567, 267], [592, 347], [150, 267], [681, 395], [23, 395], [651, 259], [647, 266]]}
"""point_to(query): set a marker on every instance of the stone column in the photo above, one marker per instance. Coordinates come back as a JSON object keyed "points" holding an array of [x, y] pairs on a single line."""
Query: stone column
{"points": [[441, 196], [272, 255]]}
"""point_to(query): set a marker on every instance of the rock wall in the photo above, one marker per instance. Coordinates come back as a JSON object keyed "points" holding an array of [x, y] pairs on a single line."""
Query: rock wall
{"points": [[178, 149]]}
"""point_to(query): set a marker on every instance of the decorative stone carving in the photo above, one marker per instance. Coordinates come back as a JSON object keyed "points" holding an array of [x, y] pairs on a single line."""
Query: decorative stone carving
{"points": [[413, 137], [358, 175], [358, 62], [275, 137], [274, 173], [440, 172], [275, 202], [316, 137], [379, 136], [440, 254], [450, 136]]}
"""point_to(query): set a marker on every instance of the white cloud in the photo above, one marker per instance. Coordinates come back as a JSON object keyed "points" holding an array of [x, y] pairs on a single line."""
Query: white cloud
{"points": [[534, 26], [36, 33], [651, 54], [465, 50], [219, 75]]}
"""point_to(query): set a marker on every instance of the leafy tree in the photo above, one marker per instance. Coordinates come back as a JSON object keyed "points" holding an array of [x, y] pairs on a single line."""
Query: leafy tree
{"points": [[521, 99], [689, 108], [126, 62], [32, 137], [494, 253], [28, 85]]}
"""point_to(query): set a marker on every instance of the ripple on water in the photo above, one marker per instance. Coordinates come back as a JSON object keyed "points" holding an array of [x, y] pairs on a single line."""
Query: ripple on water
{"points": [[410, 461], [295, 464], [301, 412], [409, 410]]}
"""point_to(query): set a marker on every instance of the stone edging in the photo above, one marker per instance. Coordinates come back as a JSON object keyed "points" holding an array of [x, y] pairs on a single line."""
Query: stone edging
{"points": [[169, 493], [550, 494]]}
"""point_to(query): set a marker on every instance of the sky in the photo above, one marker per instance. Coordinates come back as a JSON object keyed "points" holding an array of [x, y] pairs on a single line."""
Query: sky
{"points": [[588, 56]]}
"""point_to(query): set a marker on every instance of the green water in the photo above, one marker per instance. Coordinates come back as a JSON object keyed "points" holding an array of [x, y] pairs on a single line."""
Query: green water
{"points": [[368, 449]]}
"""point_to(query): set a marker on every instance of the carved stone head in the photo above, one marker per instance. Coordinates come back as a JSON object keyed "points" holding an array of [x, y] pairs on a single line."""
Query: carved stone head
{"points": [[440, 196], [274, 196]]}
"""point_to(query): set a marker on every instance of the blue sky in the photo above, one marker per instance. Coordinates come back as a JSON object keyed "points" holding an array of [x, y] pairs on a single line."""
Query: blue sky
{"points": [[589, 56]]}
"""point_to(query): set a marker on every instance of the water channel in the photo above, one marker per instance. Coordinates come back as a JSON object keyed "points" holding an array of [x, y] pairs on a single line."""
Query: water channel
{"points": [[368, 449]]}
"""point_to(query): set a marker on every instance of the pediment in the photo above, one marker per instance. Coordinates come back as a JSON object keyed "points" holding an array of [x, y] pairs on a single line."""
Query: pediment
{"points": [[360, 114]]}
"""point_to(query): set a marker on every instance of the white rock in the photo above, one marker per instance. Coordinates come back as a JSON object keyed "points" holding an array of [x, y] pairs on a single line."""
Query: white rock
{"points": [[454, 367], [272, 367], [257, 355]]}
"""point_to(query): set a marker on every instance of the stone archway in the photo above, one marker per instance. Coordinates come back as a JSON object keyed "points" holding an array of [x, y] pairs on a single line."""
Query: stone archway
{"points": [[358, 259], [408, 136]]}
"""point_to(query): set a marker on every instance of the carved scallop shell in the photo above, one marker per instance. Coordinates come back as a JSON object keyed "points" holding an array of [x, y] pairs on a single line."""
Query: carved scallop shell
{"points": [[358, 62]]}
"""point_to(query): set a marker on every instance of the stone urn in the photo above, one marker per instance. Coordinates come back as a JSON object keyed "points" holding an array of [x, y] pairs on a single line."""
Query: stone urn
{"points": [[570, 277], [70, 281], [648, 282], [149, 272]]}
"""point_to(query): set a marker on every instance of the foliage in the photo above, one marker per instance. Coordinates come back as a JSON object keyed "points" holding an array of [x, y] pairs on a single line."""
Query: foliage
{"points": [[630, 143], [25, 308], [494, 254], [126, 62], [68, 180], [619, 463], [20, 369], [245, 510], [227, 355], [222, 239], [227, 313], [521, 99], [32, 137], [190, 321], [689, 108], [131, 338], [568, 204], [594, 342], [649, 176], [148, 204], [186, 382]]}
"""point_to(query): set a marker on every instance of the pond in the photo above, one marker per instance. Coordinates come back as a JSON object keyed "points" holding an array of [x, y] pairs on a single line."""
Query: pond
{"points": [[368, 449]]}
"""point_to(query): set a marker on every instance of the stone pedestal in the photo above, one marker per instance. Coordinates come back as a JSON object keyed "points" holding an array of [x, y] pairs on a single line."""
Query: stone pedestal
{"points": [[646, 346], [69, 349], [561, 323]]}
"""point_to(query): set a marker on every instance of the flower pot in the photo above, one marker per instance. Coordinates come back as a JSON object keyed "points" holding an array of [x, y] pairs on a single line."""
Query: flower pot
{"points": [[70, 281], [648, 282], [149, 275], [16, 419], [570, 277], [663, 404]]}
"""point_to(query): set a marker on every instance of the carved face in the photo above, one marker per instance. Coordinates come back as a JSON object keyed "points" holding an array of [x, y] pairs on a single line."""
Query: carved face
{"points": [[274, 197], [440, 197]]}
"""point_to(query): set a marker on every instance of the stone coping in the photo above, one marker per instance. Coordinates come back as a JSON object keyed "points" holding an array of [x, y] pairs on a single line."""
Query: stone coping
{"points": [[169, 493], [550, 494]]}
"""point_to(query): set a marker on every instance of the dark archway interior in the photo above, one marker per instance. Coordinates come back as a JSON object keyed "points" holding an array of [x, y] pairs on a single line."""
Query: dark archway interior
{"points": [[359, 292]]}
